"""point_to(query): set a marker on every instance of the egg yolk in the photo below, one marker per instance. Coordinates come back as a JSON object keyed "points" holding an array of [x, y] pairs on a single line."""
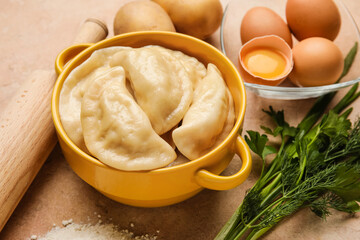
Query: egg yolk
{"points": [[265, 62]]}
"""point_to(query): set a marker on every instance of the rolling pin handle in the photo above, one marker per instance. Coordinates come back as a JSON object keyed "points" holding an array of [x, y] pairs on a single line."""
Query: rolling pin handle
{"points": [[91, 31]]}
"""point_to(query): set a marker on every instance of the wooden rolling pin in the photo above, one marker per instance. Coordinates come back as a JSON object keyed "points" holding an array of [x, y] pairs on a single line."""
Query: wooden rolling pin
{"points": [[27, 133]]}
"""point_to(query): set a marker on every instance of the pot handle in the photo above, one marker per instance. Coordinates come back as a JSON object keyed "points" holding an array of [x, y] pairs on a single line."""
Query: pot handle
{"points": [[215, 182], [67, 54]]}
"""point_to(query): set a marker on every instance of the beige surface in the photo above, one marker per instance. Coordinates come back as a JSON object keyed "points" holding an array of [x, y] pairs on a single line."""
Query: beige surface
{"points": [[32, 33]]}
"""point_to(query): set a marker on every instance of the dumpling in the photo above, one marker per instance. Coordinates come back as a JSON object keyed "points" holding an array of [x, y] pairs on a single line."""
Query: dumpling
{"points": [[196, 69], [73, 90], [206, 117], [229, 123], [116, 130], [162, 86]]}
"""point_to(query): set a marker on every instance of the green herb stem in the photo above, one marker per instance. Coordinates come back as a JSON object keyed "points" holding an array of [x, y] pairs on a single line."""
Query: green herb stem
{"points": [[347, 99], [349, 59], [255, 234], [266, 190], [272, 195]]}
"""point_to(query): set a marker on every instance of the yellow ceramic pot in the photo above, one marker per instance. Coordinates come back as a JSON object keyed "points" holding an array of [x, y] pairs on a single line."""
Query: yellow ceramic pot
{"points": [[168, 185]]}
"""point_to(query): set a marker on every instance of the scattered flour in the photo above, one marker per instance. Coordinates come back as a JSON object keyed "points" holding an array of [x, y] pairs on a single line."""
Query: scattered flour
{"points": [[67, 222], [73, 231]]}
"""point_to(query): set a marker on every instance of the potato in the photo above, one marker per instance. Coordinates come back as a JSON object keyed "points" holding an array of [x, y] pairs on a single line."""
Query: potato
{"points": [[142, 15], [199, 18]]}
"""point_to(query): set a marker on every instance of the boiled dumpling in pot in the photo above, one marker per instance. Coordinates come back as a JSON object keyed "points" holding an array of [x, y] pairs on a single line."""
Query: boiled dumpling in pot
{"points": [[206, 117], [116, 130], [74, 88], [162, 86], [229, 122], [196, 69]]}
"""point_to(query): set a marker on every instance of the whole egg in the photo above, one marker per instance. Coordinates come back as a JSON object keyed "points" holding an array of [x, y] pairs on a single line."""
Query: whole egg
{"points": [[261, 21], [317, 61], [313, 18]]}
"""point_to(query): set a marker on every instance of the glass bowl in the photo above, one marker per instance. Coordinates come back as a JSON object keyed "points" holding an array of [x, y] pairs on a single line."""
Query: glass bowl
{"points": [[231, 44]]}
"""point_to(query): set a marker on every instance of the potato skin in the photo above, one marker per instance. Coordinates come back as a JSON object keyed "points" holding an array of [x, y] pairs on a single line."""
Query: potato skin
{"points": [[142, 15], [198, 18]]}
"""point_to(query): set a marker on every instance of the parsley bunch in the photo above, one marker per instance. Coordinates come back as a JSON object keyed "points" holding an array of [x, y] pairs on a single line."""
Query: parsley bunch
{"points": [[317, 165]]}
